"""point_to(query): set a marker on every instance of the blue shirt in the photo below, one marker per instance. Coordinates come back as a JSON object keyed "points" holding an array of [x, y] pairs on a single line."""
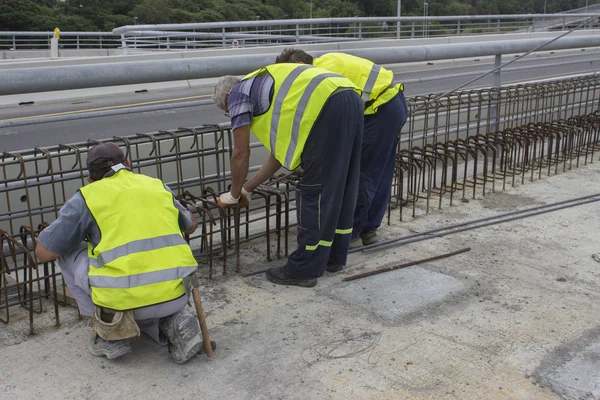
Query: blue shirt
{"points": [[250, 98]]}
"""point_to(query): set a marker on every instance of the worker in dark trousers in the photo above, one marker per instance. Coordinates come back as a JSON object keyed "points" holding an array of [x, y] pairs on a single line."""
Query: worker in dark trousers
{"points": [[385, 112], [309, 117]]}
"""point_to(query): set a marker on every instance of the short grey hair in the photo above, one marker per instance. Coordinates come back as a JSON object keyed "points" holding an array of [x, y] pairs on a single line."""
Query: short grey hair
{"points": [[222, 89]]}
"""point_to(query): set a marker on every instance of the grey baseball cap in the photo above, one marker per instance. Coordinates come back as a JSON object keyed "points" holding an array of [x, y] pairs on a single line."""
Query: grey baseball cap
{"points": [[104, 155]]}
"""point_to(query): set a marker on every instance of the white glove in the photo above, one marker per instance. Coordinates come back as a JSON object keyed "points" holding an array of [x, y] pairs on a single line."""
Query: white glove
{"points": [[227, 198]]}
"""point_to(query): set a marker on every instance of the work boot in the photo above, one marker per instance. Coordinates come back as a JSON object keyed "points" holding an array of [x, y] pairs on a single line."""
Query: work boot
{"points": [[110, 348], [333, 268], [280, 276], [369, 238], [183, 332]]}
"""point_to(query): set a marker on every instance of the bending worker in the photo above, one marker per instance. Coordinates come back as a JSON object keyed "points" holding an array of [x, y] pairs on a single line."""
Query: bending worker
{"points": [[305, 116], [385, 113], [130, 278]]}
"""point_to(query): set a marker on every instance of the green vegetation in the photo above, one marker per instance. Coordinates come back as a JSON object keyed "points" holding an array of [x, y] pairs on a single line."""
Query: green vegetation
{"points": [[104, 15]]}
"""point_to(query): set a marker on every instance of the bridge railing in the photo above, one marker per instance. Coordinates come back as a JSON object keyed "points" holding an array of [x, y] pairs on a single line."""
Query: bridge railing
{"points": [[68, 40], [271, 32], [317, 30]]}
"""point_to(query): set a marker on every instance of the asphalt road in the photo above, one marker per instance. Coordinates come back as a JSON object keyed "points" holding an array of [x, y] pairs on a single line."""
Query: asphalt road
{"points": [[420, 78]]}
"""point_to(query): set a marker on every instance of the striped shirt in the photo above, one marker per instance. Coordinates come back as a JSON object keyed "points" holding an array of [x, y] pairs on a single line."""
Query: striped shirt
{"points": [[250, 98]]}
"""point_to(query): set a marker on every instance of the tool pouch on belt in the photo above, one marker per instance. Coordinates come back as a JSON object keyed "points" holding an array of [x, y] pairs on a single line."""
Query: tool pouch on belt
{"points": [[117, 326]]}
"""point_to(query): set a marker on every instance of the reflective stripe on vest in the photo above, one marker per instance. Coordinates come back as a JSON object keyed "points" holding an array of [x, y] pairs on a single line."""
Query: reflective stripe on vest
{"points": [[310, 89], [300, 92], [136, 246], [373, 74], [278, 103], [148, 278], [142, 256]]}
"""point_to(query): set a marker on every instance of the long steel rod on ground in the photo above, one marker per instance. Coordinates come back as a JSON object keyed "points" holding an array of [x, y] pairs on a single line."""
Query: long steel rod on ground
{"points": [[408, 264], [486, 221], [467, 226], [471, 222]]}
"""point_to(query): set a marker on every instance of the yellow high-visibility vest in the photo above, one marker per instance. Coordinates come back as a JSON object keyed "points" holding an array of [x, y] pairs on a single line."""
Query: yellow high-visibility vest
{"points": [[142, 255], [376, 82], [300, 92]]}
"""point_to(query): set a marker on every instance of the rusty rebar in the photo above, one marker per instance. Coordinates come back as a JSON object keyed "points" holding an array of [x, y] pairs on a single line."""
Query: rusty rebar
{"points": [[408, 264]]}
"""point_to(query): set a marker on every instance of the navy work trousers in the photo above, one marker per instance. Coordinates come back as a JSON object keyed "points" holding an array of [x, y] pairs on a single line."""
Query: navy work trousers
{"points": [[377, 163], [326, 194]]}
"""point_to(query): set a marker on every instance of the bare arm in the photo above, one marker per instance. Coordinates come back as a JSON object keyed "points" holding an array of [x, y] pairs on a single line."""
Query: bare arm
{"points": [[240, 159], [267, 170], [43, 254]]}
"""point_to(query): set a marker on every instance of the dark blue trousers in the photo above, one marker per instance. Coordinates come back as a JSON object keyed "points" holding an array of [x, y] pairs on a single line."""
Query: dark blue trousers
{"points": [[377, 163], [326, 195]]}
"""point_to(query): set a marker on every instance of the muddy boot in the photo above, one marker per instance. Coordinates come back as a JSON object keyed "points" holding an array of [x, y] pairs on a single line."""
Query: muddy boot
{"points": [[183, 332], [110, 348], [280, 276], [333, 268], [369, 238]]}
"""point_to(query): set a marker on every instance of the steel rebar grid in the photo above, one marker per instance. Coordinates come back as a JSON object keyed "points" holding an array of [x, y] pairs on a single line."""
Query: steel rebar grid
{"points": [[451, 145]]}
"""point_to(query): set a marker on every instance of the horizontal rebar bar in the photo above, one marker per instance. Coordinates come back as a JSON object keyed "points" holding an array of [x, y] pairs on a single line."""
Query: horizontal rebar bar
{"points": [[481, 223]]}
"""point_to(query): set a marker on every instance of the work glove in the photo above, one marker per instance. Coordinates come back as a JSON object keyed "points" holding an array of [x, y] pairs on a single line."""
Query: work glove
{"points": [[227, 200], [247, 195]]}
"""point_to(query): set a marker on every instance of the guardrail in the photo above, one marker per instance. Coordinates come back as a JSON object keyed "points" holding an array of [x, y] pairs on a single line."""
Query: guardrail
{"points": [[30, 80], [68, 40], [272, 32]]}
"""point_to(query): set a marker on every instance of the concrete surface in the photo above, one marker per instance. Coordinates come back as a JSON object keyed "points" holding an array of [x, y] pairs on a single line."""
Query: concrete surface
{"points": [[514, 318]]}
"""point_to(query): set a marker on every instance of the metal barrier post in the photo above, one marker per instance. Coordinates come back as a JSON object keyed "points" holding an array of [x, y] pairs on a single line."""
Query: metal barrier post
{"points": [[458, 29], [14, 42], [124, 44], [54, 48], [360, 31], [297, 33]]}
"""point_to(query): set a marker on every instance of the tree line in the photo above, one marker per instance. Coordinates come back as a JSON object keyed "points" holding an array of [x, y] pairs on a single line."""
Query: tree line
{"points": [[105, 15]]}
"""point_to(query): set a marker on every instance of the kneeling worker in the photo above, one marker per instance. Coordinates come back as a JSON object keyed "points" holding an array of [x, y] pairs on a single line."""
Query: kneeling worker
{"points": [[385, 114], [130, 278], [305, 116]]}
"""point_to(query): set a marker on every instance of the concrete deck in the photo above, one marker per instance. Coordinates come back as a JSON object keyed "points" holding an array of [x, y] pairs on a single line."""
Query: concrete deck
{"points": [[514, 318]]}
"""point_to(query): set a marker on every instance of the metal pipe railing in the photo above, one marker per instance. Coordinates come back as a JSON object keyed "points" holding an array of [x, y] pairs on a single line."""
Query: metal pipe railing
{"points": [[29, 80], [333, 21], [265, 32]]}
